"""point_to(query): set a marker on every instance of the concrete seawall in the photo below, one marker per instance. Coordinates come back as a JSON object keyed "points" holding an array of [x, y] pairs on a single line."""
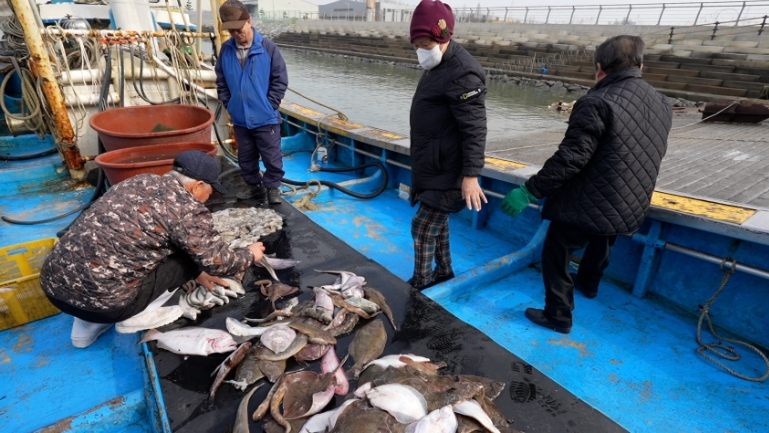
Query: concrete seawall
{"points": [[733, 65]]}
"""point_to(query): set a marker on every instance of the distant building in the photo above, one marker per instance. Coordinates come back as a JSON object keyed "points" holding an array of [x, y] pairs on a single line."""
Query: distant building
{"points": [[356, 11], [275, 10]]}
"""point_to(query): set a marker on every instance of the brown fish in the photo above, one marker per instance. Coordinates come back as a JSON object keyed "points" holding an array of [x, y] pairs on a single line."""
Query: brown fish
{"points": [[298, 344], [277, 398], [307, 393], [311, 352], [378, 298], [271, 426], [347, 325], [264, 406], [367, 345], [241, 418], [248, 371], [274, 291], [272, 369], [491, 388], [315, 333], [225, 367]]}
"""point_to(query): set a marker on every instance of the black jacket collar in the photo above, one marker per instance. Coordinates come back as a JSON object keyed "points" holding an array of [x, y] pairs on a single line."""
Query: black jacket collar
{"points": [[618, 76]]}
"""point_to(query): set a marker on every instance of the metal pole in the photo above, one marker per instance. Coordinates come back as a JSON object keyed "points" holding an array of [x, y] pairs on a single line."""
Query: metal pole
{"points": [[627, 18], [750, 270], [698, 14], [571, 18], [600, 9], [526, 16], [662, 12], [40, 66], [736, 23], [763, 23], [547, 18], [200, 27], [505, 14]]}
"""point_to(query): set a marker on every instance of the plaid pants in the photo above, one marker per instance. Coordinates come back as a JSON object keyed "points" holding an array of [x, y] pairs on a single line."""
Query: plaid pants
{"points": [[430, 231]]}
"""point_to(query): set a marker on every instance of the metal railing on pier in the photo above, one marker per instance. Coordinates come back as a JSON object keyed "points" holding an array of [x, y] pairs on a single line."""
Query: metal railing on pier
{"points": [[666, 14]]}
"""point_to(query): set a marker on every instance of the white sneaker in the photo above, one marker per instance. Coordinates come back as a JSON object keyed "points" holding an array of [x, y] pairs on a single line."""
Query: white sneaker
{"points": [[149, 319], [85, 333]]}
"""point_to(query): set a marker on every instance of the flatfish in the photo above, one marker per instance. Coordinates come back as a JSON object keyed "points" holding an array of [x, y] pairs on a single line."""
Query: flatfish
{"points": [[367, 345]]}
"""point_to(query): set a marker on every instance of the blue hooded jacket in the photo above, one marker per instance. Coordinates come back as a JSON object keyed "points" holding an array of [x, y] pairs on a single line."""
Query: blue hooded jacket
{"points": [[252, 94]]}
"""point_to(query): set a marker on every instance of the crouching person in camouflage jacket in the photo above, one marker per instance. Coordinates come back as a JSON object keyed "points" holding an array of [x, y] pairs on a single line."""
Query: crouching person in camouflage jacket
{"points": [[147, 236]]}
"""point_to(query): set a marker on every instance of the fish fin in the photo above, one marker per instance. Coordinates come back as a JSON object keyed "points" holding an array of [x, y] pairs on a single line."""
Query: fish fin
{"points": [[150, 335]]}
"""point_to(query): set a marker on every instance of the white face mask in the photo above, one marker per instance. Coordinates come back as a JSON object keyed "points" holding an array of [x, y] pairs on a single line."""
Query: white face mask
{"points": [[430, 58]]}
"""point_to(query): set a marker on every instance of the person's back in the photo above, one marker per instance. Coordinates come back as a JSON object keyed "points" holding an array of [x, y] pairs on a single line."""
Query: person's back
{"points": [[612, 192], [600, 181]]}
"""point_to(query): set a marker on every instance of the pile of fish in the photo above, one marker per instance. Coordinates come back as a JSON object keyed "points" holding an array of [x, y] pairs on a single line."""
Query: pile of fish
{"points": [[396, 393], [241, 227]]}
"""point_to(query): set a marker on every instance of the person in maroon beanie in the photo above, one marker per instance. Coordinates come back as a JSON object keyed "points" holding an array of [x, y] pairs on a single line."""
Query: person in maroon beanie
{"points": [[448, 139]]}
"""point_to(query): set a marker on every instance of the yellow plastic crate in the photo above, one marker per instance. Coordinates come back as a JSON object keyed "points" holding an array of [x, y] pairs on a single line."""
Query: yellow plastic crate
{"points": [[21, 298]]}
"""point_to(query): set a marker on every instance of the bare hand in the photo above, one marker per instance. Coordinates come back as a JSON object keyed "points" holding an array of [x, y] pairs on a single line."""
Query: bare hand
{"points": [[257, 249], [208, 281], [472, 193]]}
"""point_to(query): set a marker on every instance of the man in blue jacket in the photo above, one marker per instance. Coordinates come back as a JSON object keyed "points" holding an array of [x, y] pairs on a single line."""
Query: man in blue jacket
{"points": [[251, 80]]}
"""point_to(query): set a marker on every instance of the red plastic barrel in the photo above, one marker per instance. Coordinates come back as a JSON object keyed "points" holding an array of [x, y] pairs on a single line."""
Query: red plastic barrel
{"points": [[121, 128], [121, 164]]}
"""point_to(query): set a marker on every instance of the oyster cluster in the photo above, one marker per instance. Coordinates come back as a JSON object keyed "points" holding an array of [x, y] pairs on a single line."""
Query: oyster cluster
{"points": [[240, 227]]}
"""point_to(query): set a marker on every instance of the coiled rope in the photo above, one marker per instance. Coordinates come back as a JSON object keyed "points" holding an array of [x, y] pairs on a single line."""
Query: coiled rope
{"points": [[719, 349]]}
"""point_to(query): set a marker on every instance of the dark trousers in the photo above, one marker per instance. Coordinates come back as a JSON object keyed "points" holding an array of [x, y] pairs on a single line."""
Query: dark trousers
{"points": [[430, 231], [560, 243], [171, 273], [264, 143]]}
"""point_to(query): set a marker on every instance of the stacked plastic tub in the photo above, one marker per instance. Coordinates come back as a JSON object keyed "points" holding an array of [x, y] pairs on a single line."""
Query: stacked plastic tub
{"points": [[147, 138]]}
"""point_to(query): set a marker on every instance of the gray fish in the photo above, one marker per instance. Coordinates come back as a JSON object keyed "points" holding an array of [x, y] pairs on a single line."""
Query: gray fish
{"points": [[367, 345], [278, 264], [378, 298], [364, 304], [298, 344], [241, 418], [225, 367], [266, 265]]}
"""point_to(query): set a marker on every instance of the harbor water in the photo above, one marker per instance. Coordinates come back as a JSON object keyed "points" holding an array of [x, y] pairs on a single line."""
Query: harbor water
{"points": [[379, 95]]}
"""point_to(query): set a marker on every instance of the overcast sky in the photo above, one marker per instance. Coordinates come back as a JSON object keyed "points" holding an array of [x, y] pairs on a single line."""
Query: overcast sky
{"points": [[503, 3]]}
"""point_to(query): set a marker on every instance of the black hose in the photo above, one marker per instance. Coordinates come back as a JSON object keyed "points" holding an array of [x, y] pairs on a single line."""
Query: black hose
{"points": [[28, 156], [330, 184], [100, 181]]}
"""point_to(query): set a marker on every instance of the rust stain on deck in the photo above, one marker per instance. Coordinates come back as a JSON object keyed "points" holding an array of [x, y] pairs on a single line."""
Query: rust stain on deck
{"points": [[566, 342]]}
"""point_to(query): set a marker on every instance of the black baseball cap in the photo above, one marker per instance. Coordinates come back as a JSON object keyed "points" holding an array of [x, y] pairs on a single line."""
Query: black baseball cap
{"points": [[198, 165]]}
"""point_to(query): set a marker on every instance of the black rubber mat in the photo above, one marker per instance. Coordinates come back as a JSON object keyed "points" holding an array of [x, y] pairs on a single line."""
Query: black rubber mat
{"points": [[531, 401]]}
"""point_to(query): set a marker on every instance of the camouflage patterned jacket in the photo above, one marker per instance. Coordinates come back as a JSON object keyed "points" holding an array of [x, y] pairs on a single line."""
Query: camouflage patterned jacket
{"points": [[99, 264]]}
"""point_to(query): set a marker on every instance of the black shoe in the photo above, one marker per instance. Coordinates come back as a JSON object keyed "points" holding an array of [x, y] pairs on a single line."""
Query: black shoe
{"points": [[441, 278], [253, 192], [538, 316], [422, 287], [590, 294], [273, 196]]}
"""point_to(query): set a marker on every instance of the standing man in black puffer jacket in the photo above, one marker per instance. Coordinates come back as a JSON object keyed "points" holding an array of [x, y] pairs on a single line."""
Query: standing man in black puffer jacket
{"points": [[599, 183], [448, 139]]}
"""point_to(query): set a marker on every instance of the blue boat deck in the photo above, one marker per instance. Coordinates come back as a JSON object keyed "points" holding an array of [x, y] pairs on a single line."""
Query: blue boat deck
{"points": [[631, 358]]}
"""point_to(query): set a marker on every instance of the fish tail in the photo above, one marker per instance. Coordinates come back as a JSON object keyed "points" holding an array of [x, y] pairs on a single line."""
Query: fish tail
{"points": [[150, 335]]}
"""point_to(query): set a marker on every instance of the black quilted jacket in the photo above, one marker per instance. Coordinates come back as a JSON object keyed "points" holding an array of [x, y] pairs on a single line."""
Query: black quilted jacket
{"points": [[448, 129], [602, 176]]}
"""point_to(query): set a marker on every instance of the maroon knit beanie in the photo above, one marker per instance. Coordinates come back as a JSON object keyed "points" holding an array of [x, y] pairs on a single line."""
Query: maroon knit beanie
{"points": [[434, 20]]}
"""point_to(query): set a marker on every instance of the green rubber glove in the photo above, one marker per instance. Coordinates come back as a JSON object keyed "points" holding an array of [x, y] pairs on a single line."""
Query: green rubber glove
{"points": [[516, 201]]}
